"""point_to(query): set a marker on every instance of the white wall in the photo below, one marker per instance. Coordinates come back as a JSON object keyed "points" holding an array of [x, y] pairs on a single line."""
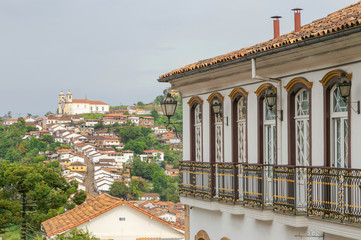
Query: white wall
{"points": [[136, 225]]}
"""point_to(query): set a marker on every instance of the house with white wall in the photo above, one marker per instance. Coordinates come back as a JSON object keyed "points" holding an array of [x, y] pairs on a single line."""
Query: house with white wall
{"points": [[270, 135], [107, 217]]}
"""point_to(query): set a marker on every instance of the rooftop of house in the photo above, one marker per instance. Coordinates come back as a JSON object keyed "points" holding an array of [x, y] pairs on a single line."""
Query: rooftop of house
{"points": [[342, 20], [92, 208], [89, 102]]}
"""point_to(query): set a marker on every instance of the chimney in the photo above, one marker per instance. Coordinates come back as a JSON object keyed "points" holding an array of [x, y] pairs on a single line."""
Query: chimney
{"points": [[276, 26], [297, 12]]}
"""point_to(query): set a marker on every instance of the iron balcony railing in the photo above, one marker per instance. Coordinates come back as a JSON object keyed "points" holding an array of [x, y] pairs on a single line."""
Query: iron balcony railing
{"points": [[329, 193]]}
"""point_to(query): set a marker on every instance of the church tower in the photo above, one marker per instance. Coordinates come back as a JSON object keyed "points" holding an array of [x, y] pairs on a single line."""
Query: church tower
{"points": [[69, 100], [61, 103]]}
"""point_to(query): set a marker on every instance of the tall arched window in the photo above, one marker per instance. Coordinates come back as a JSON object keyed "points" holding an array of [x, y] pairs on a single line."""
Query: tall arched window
{"points": [[269, 133], [196, 133], [336, 122], [239, 125], [218, 133], [299, 122], [241, 129], [267, 130], [339, 129], [302, 127]]}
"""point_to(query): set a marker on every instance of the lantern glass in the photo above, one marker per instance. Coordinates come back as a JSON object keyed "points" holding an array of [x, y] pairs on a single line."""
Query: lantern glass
{"points": [[168, 105], [344, 86], [271, 97], [216, 106]]}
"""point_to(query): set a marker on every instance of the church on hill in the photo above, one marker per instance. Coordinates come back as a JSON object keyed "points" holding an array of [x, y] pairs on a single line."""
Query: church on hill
{"points": [[70, 106]]}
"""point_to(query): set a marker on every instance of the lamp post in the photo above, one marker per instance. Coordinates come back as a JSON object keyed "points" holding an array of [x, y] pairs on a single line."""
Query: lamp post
{"points": [[169, 105], [217, 107], [270, 96], [344, 88]]}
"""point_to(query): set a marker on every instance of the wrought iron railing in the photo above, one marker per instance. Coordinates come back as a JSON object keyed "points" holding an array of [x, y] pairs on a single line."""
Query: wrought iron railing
{"points": [[328, 193]]}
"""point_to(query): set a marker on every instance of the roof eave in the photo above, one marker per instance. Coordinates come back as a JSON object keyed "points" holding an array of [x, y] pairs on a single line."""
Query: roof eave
{"points": [[306, 42]]}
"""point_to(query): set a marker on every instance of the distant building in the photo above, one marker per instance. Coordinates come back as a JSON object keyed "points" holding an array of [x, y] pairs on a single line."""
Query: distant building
{"points": [[70, 106], [107, 217]]}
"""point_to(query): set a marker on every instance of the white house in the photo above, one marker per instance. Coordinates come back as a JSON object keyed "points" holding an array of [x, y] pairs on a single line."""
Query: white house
{"points": [[268, 148], [155, 155], [70, 106], [108, 217], [169, 217]]}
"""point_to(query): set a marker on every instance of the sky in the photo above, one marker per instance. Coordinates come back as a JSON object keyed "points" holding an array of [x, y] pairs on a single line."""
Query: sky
{"points": [[115, 50]]}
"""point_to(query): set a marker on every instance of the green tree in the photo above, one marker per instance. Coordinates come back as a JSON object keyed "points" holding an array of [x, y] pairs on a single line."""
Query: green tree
{"points": [[119, 189], [48, 138], [40, 192], [136, 146], [76, 234], [79, 197]]}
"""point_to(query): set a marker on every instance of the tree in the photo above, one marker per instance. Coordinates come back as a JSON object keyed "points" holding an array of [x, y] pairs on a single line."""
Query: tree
{"points": [[48, 138], [119, 189], [136, 146], [39, 192], [76, 234], [154, 114], [140, 104], [79, 197]]}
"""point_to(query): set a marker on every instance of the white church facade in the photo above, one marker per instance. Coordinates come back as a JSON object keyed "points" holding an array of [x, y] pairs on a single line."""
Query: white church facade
{"points": [[70, 106], [271, 141]]}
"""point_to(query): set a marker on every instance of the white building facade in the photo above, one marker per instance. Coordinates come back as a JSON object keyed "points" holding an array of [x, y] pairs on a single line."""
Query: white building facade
{"points": [[290, 171], [70, 106]]}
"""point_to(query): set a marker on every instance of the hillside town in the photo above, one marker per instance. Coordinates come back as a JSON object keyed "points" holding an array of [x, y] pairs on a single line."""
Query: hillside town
{"points": [[92, 152]]}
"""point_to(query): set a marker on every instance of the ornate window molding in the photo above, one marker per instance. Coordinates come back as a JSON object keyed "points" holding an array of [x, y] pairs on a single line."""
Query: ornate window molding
{"points": [[195, 99], [202, 235], [235, 92], [215, 95], [297, 80], [330, 75], [262, 88]]}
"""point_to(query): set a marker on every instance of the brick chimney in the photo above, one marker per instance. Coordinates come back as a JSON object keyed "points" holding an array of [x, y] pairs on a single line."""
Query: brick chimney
{"points": [[297, 12], [276, 26]]}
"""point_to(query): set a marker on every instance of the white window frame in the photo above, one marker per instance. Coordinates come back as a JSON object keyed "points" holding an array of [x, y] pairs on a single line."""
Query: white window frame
{"points": [[302, 122]]}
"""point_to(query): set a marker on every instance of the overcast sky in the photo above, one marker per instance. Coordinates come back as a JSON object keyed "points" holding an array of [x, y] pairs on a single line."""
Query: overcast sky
{"points": [[114, 50]]}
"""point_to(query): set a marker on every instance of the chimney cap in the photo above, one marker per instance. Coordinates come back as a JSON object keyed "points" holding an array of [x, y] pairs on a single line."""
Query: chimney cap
{"points": [[276, 17], [297, 9]]}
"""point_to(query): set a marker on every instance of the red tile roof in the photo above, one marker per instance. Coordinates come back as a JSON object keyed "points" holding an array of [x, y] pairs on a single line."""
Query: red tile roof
{"points": [[89, 101], [87, 211], [342, 20]]}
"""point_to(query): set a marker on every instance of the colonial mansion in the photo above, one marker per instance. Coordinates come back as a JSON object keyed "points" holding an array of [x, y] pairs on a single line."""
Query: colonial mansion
{"points": [[70, 106], [272, 135]]}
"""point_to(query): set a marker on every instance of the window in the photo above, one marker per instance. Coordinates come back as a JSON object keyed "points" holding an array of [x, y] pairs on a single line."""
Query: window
{"points": [[269, 132], [299, 124], [336, 123], [241, 129], [339, 129], [302, 125], [196, 130], [238, 97], [267, 128], [217, 132]]}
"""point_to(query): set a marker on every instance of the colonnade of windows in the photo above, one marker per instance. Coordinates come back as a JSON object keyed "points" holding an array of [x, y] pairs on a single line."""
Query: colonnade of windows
{"points": [[336, 122]]}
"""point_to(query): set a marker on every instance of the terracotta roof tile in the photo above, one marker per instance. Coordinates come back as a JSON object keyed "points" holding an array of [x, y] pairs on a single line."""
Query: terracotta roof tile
{"points": [[341, 20], [87, 211]]}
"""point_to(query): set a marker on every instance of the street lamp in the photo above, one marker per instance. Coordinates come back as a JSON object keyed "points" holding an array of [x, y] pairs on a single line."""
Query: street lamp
{"points": [[168, 105], [270, 96], [217, 107], [344, 88]]}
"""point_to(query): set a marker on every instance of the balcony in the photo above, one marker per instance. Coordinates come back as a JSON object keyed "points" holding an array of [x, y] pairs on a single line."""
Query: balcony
{"points": [[325, 193]]}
